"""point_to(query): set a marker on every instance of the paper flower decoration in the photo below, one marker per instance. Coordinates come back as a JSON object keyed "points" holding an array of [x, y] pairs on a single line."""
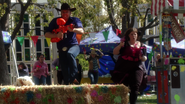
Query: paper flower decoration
{"points": [[80, 101], [40, 89], [29, 95], [100, 98], [32, 102], [12, 89], [3, 90], [69, 100], [38, 96], [104, 89], [94, 93], [117, 99], [78, 89]]}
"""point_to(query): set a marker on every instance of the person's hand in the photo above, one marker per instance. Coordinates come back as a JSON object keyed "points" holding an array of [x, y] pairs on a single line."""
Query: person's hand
{"points": [[60, 35], [84, 52], [37, 68], [121, 44], [70, 29]]}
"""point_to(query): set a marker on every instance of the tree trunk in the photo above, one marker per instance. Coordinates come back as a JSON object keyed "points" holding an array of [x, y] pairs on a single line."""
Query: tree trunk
{"points": [[4, 76]]}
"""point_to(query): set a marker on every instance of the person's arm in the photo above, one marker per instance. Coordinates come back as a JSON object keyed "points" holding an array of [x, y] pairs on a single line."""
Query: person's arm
{"points": [[100, 53], [78, 29], [116, 50], [35, 68], [143, 57], [54, 64]]}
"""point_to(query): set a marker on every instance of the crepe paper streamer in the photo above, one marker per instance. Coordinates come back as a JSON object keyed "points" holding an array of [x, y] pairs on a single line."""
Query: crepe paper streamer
{"points": [[94, 93], [29, 95], [181, 61], [117, 99], [20, 39], [78, 37], [100, 98], [182, 68], [38, 96], [3, 90], [56, 67], [48, 40], [106, 34], [40, 89], [69, 100], [177, 98], [12, 89], [151, 54], [160, 38], [35, 39]]}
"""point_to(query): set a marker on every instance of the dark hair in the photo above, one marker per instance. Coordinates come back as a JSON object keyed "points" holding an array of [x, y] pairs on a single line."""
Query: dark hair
{"points": [[128, 32], [77, 60], [24, 65], [39, 56]]}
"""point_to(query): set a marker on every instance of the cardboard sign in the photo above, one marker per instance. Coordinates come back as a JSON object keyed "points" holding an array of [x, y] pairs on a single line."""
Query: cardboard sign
{"points": [[177, 31]]}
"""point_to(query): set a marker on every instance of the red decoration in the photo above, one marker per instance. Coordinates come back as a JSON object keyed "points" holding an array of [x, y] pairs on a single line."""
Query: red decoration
{"points": [[49, 100], [118, 31], [35, 39], [69, 100]]}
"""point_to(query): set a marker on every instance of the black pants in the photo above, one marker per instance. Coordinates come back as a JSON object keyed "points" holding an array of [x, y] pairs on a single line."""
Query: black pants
{"points": [[59, 77], [68, 64]]}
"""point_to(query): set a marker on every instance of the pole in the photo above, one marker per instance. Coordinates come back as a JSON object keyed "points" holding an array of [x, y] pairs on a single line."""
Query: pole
{"points": [[162, 69], [15, 62]]}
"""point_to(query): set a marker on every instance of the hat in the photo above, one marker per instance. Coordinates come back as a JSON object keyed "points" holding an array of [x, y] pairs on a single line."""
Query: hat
{"points": [[65, 6], [93, 52]]}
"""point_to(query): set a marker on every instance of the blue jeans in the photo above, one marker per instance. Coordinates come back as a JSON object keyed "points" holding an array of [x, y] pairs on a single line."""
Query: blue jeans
{"points": [[68, 64], [93, 75], [41, 81]]}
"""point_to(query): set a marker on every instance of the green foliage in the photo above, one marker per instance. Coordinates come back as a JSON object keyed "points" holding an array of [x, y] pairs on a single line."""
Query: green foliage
{"points": [[84, 63], [2, 9]]}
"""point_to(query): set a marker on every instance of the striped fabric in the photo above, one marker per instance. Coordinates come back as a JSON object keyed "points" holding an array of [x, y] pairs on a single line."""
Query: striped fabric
{"points": [[158, 6]]}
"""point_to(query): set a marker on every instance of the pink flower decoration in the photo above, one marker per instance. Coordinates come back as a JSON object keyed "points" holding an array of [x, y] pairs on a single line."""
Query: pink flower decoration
{"points": [[39, 96], [100, 98], [94, 93]]}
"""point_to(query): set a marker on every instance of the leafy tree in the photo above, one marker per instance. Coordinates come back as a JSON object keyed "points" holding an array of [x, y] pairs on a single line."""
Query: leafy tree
{"points": [[123, 12], [87, 10]]}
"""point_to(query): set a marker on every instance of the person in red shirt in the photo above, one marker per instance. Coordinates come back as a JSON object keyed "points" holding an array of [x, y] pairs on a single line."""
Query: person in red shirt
{"points": [[40, 71]]}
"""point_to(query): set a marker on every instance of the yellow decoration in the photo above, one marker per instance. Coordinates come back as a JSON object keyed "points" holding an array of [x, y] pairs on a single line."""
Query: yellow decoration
{"points": [[106, 68], [174, 67], [48, 40], [182, 68], [85, 45]]}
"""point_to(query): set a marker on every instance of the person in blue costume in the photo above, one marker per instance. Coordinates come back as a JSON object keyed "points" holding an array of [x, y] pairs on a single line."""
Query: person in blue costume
{"points": [[68, 47]]}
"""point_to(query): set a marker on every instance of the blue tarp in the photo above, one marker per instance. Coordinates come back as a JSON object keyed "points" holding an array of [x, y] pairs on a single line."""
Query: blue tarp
{"points": [[106, 64]]}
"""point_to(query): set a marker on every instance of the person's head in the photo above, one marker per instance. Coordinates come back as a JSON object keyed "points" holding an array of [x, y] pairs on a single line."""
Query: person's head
{"points": [[22, 66], [158, 56], [77, 61], [41, 58], [93, 53], [131, 34], [65, 11]]}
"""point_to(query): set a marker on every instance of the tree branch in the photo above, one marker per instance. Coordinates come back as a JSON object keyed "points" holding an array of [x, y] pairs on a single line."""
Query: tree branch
{"points": [[109, 9], [154, 25], [151, 38], [146, 16], [39, 5], [20, 2], [32, 29], [151, 23], [23, 9]]}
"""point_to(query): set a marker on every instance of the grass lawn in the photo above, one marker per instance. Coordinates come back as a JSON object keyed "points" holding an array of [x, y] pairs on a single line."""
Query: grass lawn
{"points": [[147, 99]]}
